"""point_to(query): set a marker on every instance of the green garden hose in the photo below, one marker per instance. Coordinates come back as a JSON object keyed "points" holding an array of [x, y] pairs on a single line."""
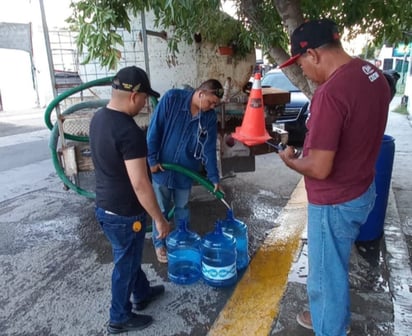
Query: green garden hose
{"points": [[198, 178], [53, 142], [68, 93], [58, 167], [98, 82], [54, 137]]}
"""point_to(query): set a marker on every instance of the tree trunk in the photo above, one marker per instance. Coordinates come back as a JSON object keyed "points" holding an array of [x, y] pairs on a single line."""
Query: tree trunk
{"points": [[292, 17]]}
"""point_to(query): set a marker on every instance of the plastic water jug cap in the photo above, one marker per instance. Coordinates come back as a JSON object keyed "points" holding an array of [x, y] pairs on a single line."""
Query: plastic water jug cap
{"points": [[217, 239]]}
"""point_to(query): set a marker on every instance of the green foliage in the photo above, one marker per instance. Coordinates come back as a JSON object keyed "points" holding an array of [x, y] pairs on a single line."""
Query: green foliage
{"points": [[368, 52], [385, 20], [205, 18], [263, 22], [97, 22], [259, 22]]}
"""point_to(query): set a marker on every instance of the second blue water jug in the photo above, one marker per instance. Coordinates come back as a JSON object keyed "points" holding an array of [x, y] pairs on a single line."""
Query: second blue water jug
{"points": [[238, 230], [184, 255], [218, 258]]}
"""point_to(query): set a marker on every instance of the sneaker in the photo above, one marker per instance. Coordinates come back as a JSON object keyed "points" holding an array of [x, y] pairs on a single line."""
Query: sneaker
{"points": [[305, 320], [135, 322], [155, 291]]}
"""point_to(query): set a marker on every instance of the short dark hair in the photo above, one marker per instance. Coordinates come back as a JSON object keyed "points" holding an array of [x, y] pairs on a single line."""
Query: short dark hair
{"points": [[212, 85]]}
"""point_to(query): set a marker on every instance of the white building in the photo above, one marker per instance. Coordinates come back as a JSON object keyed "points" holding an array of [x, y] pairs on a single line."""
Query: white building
{"points": [[23, 85]]}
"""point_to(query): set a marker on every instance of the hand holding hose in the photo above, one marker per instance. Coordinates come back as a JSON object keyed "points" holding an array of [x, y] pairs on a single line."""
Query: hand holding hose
{"points": [[288, 153], [217, 188]]}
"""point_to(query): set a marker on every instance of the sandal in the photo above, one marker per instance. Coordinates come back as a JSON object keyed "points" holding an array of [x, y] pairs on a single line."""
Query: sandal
{"points": [[161, 254], [305, 320]]}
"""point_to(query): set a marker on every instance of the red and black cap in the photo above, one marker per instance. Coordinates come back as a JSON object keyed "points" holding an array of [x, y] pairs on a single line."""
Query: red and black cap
{"points": [[133, 79], [310, 35]]}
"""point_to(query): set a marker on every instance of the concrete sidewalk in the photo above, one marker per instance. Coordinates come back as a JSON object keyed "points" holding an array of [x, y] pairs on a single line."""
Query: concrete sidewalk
{"points": [[380, 276], [267, 302]]}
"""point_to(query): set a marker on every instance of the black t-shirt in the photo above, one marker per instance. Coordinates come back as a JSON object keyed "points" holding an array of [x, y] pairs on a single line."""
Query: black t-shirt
{"points": [[114, 138]]}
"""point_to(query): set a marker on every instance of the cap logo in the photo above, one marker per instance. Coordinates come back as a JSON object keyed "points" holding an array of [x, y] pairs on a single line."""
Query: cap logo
{"points": [[127, 86], [336, 36], [133, 79], [303, 44]]}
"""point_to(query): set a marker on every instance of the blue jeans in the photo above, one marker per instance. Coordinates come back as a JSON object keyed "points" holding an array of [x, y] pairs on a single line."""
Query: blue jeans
{"points": [[167, 198], [128, 278], [332, 230]]}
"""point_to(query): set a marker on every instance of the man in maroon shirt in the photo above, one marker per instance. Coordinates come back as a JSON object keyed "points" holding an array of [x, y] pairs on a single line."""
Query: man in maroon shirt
{"points": [[347, 121]]}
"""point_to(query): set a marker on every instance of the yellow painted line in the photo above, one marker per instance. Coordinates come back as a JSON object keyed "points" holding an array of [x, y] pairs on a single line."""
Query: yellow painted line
{"points": [[255, 302]]}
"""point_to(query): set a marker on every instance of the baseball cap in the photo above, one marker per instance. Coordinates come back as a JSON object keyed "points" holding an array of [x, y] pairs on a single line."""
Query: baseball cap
{"points": [[133, 79], [310, 35]]}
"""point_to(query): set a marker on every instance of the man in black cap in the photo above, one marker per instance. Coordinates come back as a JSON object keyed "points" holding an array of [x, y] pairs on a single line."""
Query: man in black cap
{"points": [[124, 196], [347, 120]]}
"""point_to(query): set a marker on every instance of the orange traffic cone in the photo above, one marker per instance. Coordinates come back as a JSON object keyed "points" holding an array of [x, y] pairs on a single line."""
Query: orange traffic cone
{"points": [[253, 130]]}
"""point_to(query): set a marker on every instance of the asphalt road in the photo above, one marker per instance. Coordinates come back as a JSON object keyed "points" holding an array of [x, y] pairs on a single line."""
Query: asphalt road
{"points": [[56, 262]]}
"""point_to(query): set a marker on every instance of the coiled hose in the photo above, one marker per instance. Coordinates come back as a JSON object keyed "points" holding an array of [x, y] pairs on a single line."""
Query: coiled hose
{"points": [[54, 137]]}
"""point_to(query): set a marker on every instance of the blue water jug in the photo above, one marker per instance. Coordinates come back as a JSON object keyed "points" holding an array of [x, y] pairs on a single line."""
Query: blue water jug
{"points": [[238, 230], [218, 258], [184, 255]]}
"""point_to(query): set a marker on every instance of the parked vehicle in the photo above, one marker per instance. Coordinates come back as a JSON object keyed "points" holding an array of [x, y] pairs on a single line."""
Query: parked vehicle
{"points": [[293, 115]]}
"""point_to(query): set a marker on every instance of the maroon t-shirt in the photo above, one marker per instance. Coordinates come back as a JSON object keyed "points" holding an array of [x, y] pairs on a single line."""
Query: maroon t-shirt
{"points": [[348, 115]]}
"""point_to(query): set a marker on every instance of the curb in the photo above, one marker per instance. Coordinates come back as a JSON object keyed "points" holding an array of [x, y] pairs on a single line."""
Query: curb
{"points": [[400, 274], [264, 282]]}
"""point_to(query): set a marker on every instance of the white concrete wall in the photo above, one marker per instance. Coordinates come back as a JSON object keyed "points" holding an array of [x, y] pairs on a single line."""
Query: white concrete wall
{"points": [[193, 64], [17, 86]]}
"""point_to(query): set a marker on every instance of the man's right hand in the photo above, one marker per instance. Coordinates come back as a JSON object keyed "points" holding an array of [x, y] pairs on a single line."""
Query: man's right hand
{"points": [[163, 228], [156, 168]]}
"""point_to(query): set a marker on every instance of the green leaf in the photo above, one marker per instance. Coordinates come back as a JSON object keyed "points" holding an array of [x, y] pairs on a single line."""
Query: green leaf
{"points": [[259, 22]]}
